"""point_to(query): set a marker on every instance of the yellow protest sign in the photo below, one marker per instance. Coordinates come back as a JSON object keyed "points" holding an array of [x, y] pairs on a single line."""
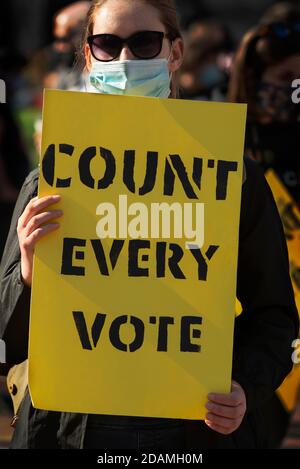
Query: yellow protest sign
{"points": [[290, 216], [133, 298]]}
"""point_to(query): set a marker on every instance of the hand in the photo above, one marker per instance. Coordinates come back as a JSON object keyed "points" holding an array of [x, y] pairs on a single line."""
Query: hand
{"points": [[226, 411], [32, 226]]}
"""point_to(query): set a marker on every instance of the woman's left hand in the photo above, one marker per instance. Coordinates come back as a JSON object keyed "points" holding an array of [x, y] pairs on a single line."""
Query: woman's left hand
{"points": [[226, 411]]}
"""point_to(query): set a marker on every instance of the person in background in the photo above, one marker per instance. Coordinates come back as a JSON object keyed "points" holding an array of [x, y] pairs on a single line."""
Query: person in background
{"points": [[28, 63], [266, 63], [67, 30], [26, 27], [281, 12], [205, 70], [55, 66], [66, 24]]}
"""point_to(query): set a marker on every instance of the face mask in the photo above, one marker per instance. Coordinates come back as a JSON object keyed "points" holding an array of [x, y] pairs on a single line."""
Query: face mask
{"points": [[211, 76], [132, 77], [276, 102]]}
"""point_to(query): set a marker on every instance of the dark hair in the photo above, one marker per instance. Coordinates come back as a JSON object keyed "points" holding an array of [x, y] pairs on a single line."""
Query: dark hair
{"points": [[202, 40], [281, 12], [260, 48], [169, 19]]}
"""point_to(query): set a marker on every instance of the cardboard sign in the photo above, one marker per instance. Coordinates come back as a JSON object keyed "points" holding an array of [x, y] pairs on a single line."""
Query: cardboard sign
{"points": [[133, 298]]}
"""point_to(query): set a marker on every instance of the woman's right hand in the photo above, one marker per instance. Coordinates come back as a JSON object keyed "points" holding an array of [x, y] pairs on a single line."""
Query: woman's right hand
{"points": [[30, 230]]}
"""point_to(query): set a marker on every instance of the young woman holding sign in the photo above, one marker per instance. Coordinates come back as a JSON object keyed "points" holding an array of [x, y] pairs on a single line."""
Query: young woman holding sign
{"points": [[139, 42]]}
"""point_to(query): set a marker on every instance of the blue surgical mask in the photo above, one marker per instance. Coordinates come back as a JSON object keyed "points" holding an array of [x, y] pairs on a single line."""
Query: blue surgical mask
{"points": [[275, 101], [132, 77], [211, 76]]}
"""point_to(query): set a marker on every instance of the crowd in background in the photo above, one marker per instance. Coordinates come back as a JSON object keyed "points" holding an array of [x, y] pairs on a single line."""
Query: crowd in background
{"points": [[246, 51], [39, 40]]}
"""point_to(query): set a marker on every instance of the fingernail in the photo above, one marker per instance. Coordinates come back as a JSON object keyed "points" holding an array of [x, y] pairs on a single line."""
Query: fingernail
{"points": [[209, 405], [208, 422]]}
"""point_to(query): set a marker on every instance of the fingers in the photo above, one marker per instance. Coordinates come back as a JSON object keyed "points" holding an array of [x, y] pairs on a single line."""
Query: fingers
{"points": [[37, 234], [225, 411], [35, 206], [30, 228], [232, 399], [225, 425], [235, 386], [218, 428], [224, 422], [34, 224], [38, 220]]}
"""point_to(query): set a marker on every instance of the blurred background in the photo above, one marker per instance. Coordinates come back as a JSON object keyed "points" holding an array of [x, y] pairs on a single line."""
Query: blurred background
{"points": [[245, 51]]}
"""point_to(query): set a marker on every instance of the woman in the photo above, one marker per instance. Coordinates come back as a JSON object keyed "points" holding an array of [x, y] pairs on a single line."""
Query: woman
{"points": [[205, 70], [134, 31], [266, 64]]}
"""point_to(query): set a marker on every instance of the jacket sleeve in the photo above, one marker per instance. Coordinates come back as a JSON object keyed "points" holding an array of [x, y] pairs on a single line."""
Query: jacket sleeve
{"points": [[14, 295], [269, 321]]}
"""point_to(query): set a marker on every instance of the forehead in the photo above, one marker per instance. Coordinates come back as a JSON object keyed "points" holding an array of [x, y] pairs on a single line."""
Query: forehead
{"points": [[125, 17]]}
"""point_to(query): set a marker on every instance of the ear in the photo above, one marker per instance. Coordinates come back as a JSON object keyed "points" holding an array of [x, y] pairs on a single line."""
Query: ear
{"points": [[88, 57], [176, 59]]}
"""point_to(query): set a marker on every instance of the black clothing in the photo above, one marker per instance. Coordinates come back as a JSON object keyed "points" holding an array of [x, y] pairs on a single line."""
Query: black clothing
{"points": [[276, 146], [262, 337], [107, 434]]}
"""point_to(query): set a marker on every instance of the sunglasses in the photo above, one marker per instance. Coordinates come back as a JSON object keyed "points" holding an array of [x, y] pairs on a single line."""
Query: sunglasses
{"points": [[143, 45], [281, 30]]}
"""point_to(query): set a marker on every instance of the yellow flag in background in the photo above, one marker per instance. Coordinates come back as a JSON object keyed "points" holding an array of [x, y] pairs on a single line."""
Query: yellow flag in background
{"points": [[290, 216], [131, 314]]}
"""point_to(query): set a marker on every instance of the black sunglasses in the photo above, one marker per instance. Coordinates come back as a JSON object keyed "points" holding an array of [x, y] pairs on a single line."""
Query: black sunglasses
{"points": [[280, 30], [143, 45], [284, 30]]}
